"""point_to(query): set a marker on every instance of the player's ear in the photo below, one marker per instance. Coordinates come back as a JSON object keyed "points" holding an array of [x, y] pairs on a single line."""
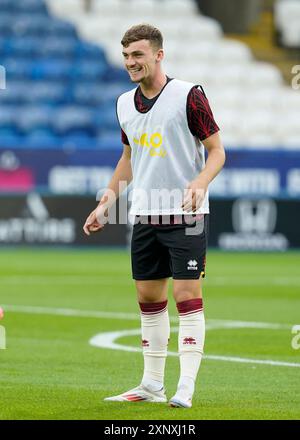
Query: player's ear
{"points": [[160, 55]]}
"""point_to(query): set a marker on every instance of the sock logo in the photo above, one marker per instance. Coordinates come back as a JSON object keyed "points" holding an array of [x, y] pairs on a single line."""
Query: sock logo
{"points": [[189, 341], [192, 265], [145, 343]]}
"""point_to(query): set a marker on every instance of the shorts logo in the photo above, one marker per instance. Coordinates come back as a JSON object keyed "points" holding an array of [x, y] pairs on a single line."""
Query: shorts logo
{"points": [[145, 343], [192, 265], [189, 341]]}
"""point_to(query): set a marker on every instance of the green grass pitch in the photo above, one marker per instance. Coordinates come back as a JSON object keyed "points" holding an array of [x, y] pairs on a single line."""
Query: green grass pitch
{"points": [[50, 371]]}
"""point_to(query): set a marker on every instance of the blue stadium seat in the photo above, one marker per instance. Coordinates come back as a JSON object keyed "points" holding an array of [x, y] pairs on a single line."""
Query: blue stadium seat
{"points": [[26, 47], [29, 6], [7, 132], [34, 117], [89, 70], [90, 51], [3, 47], [52, 69], [53, 93], [5, 24], [61, 90], [86, 93], [116, 74], [9, 138], [29, 25], [5, 6], [15, 92], [79, 139], [109, 139], [60, 28], [58, 47], [106, 118], [17, 68], [71, 119], [41, 138], [8, 115], [40, 25], [51, 47], [112, 90]]}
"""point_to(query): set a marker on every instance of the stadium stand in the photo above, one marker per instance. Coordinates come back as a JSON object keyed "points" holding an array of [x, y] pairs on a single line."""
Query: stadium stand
{"points": [[248, 96], [287, 22], [64, 72], [58, 86]]}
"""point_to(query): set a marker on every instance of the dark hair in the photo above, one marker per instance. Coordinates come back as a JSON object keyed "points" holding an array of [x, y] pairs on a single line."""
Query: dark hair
{"points": [[143, 32]]}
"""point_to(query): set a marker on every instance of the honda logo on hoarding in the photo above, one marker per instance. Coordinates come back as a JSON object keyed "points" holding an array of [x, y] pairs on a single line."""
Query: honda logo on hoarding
{"points": [[254, 215], [254, 223]]}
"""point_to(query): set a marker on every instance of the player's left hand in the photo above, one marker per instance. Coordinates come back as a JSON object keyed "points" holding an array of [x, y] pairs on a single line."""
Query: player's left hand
{"points": [[194, 194]]}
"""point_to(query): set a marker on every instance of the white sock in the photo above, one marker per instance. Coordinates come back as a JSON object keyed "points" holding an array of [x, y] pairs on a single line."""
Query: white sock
{"points": [[190, 343], [155, 336]]}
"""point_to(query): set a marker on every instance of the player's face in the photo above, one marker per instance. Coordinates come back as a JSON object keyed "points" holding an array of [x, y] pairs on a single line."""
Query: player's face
{"points": [[140, 59]]}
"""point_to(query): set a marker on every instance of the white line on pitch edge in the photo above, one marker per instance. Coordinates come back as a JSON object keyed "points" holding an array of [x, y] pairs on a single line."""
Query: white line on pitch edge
{"points": [[212, 323]]}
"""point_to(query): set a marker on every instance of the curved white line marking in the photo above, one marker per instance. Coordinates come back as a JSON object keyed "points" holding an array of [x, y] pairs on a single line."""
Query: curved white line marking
{"points": [[107, 340]]}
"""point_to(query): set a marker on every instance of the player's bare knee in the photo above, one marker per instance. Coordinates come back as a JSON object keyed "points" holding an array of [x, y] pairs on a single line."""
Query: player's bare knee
{"points": [[181, 294], [152, 291], [147, 298], [146, 295], [184, 290]]}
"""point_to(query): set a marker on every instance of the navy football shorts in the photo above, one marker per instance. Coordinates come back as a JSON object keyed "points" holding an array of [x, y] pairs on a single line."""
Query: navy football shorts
{"points": [[173, 250]]}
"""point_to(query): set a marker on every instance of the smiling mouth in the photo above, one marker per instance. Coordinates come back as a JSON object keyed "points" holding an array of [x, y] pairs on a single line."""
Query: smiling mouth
{"points": [[135, 70]]}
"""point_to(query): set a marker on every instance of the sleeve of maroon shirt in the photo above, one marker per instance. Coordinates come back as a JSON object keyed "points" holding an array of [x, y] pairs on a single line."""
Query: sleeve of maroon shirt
{"points": [[200, 117], [124, 138]]}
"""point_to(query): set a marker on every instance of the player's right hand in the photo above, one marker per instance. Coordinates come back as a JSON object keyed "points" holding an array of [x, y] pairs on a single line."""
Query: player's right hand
{"points": [[92, 224]]}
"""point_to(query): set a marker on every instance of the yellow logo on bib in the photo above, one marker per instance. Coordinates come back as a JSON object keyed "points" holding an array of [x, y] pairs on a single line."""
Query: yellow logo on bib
{"points": [[153, 144]]}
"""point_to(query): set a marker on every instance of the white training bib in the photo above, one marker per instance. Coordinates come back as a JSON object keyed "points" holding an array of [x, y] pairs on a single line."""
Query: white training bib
{"points": [[165, 155]]}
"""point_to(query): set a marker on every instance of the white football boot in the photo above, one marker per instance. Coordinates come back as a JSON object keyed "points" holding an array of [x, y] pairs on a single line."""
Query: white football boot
{"points": [[183, 396], [178, 401], [140, 394]]}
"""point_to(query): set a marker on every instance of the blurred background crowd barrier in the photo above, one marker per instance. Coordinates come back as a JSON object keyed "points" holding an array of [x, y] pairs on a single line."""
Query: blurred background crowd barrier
{"points": [[61, 72]]}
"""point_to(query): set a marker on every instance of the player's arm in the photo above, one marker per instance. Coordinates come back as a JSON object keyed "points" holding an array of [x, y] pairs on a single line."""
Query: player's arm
{"points": [[215, 160], [202, 125], [120, 180]]}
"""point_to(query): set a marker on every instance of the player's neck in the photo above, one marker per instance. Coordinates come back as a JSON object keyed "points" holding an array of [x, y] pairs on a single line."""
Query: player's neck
{"points": [[151, 87]]}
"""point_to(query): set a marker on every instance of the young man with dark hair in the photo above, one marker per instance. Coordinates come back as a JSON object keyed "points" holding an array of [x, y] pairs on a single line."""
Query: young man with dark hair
{"points": [[166, 124]]}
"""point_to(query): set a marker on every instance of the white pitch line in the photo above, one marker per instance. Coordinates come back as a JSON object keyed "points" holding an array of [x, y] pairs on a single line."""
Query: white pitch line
{"points": [[62, 280], [107, 340], [69, 312], [211, 323], [215, 323], [252, 361]]}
